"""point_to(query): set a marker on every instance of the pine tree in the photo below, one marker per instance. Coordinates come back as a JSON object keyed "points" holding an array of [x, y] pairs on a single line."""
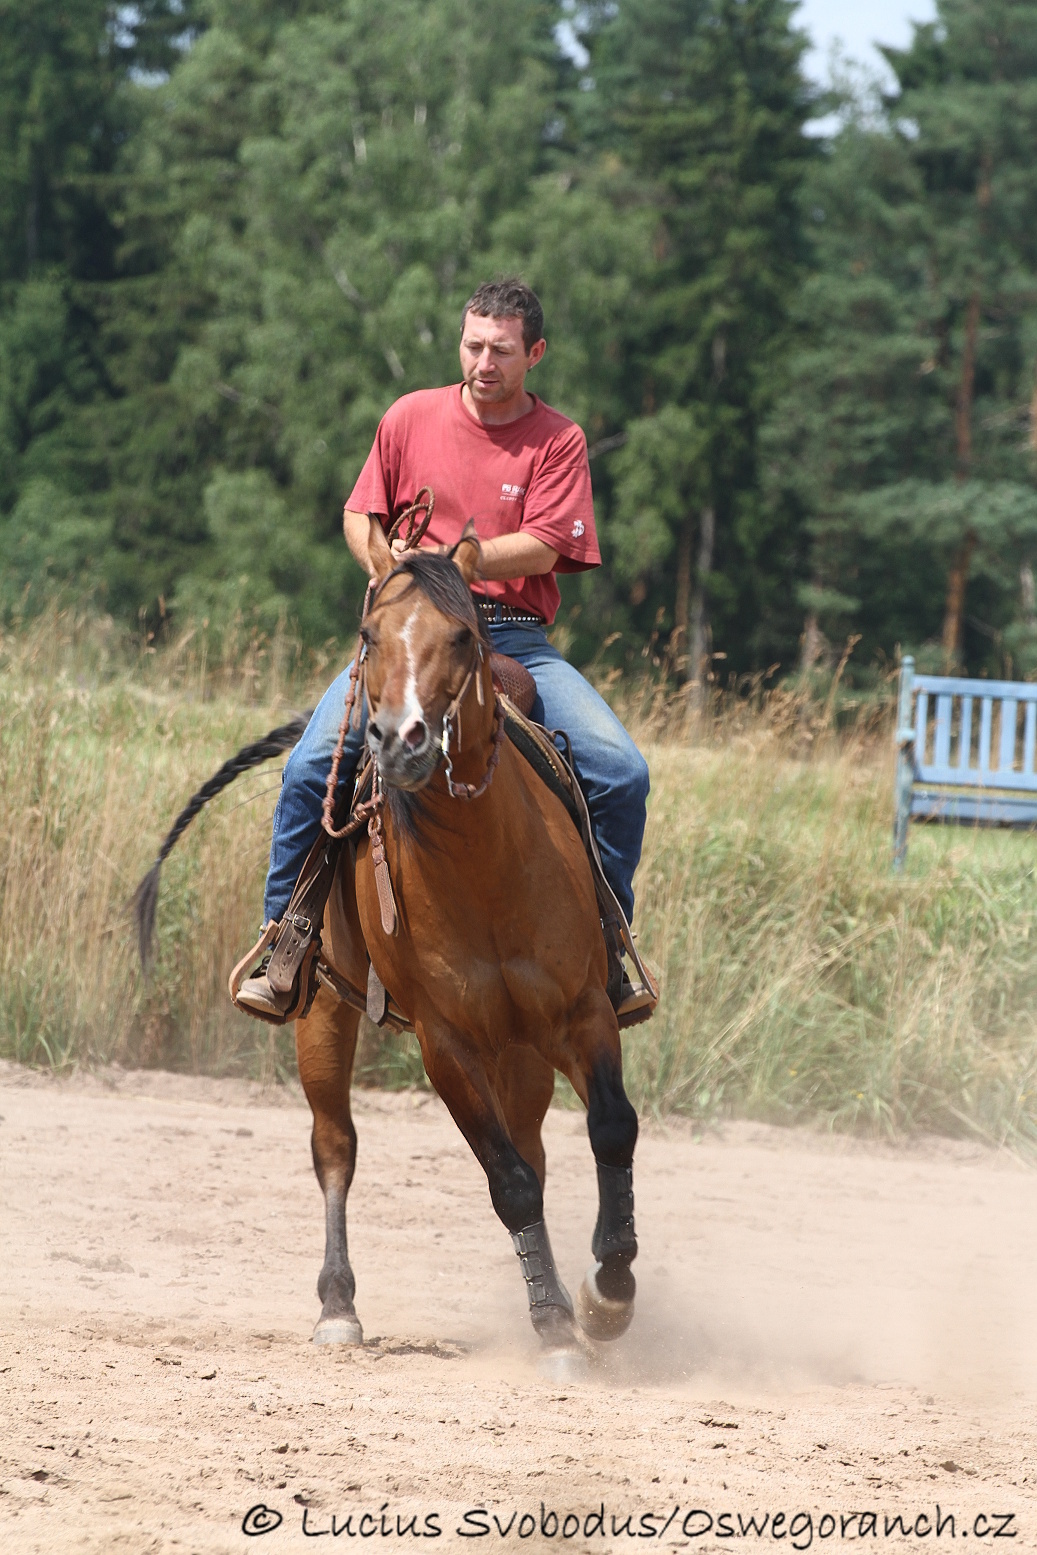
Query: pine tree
{"points": [[66, 107], [313, 197], [969, 84], [904, 439], [705, 101]]}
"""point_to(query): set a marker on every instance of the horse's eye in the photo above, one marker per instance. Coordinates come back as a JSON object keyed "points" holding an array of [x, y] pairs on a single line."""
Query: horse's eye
{"points": [[462, 637], [368, 638]]}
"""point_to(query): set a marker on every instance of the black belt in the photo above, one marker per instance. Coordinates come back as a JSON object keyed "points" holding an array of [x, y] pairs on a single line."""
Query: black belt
{"points": [[497, 614]]}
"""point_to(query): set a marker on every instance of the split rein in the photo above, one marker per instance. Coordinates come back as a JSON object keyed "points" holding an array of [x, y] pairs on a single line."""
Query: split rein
{"points": [[370, 810]]}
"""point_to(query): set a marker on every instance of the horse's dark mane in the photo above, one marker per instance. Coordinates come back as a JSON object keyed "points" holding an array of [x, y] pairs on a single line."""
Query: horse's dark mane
{"points": [[441, 582], [411, 816]]}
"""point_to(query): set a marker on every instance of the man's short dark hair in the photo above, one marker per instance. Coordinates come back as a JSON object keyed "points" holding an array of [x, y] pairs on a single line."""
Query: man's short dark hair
{"points": [[508, 299]]}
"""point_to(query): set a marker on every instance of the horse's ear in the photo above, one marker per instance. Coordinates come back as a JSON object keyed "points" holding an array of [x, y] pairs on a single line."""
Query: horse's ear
{"points": [[379, 554], [466, 553]]}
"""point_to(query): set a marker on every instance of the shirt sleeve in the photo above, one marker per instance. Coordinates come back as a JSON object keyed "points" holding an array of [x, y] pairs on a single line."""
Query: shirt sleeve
{"points": [[376, 484], [559, 508]]}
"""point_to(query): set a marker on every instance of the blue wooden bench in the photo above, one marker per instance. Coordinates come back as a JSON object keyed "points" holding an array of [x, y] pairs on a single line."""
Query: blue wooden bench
{"points": [[965, 752]]}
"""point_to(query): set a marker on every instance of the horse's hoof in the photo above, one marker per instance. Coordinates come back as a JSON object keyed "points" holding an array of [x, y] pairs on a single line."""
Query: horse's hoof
{"points": [[338, 1330], [564, 1365], [601, 1317]]}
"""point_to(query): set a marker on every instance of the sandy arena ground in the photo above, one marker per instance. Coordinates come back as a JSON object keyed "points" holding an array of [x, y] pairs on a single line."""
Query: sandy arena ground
{"points": [[825, 1328]]}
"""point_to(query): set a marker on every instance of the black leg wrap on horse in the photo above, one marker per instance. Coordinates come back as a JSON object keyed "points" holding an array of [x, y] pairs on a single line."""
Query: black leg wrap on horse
{"points": [[548, 1297], [615, 1242]]}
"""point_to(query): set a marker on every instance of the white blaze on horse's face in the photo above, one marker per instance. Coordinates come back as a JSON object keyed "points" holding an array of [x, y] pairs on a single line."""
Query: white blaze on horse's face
{"points": [[398, 733], [413, 729], [414, 658]]}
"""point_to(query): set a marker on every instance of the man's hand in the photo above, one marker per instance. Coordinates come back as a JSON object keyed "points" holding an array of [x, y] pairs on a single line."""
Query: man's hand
{"points": [[400, 547], [357, 527], [506, 556]]}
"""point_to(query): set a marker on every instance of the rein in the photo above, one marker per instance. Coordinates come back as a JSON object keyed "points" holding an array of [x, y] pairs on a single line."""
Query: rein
{"points": [[371, 810]]}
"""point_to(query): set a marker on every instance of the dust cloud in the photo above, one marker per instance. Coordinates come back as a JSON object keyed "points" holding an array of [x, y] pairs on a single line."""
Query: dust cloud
{"points": [[822, 1323]]}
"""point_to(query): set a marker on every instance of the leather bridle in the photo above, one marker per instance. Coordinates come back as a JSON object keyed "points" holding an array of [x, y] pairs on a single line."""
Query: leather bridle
{"points": [[370, 810]]}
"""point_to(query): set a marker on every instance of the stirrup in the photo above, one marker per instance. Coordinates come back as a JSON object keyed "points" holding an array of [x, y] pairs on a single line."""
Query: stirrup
{"points": [[638, 997], [285, 936], [637, 994]]}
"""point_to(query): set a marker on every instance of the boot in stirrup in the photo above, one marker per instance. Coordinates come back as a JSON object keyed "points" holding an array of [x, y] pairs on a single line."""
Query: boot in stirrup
{"points": [[631, 987], [280, 986], [256, 993], [637, 998]]}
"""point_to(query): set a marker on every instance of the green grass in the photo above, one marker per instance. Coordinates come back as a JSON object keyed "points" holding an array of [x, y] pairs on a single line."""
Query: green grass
{"points": [[802, 979]]}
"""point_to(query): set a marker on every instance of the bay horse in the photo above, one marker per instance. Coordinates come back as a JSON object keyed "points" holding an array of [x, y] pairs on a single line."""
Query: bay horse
{"points": [[492, 949]]}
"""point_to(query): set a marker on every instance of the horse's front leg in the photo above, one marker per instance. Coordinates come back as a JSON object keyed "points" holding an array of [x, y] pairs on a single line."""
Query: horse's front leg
{"points": [[325, 1042], [516, 1193], [605, 1303]]}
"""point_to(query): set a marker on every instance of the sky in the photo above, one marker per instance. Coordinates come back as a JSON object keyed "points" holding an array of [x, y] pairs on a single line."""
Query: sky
{"points": [[858, 25]]}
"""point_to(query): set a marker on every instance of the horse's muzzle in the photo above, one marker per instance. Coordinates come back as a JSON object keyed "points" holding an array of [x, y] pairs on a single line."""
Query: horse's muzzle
{"points": [[406, 756]]}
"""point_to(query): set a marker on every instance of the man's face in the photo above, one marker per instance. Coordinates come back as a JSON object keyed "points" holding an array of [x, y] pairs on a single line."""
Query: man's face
{"points": [[494, 359]]}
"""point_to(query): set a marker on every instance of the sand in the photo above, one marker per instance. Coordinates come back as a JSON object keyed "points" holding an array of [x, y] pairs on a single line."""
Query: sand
{"points": [[827, 1329]]}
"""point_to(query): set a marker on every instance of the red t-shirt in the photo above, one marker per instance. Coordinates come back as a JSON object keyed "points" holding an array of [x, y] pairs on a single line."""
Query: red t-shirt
{"points": [[530, 475]]}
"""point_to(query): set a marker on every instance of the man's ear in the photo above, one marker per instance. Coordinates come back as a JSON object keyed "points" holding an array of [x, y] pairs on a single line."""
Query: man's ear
{"points": [[380, 556], [465, 554]]}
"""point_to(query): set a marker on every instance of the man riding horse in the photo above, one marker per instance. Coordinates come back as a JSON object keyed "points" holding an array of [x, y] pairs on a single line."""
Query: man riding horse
{"points": [[496, 454]]}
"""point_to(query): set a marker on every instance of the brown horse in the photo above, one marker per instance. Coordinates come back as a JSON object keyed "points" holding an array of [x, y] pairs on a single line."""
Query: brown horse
{"points": [[487, 938], [496, 955]]}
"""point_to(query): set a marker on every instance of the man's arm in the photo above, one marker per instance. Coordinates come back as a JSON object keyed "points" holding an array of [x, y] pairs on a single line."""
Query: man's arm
{"points": [[515, 556], [356, 527], [507, 556]]}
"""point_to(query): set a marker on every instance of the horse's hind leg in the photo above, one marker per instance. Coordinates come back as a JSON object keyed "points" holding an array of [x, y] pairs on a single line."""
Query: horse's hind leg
{"points": [[515, 1183], [605, 1303], [325, 1042]]}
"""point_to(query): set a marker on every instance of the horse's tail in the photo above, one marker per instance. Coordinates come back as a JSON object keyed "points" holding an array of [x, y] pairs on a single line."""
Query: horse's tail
{"points": [[145, 898]]}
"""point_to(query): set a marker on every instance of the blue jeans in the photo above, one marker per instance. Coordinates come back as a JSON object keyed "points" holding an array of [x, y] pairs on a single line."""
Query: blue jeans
{"points": [[611, 769]]}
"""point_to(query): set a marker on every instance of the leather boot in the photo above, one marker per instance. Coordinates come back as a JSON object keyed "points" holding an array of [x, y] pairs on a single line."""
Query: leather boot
{"points": [[257, 994]]}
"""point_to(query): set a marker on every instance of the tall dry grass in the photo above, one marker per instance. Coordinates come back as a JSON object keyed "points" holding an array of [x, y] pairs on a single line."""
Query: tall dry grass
{"points": [[801, 978], [99, 749]]}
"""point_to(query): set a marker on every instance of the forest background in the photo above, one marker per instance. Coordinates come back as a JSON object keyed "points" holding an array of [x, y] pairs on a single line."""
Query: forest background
{"points": [[231, 234]]}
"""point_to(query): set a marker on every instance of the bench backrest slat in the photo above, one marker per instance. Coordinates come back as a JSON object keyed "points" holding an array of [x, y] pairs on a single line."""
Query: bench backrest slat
{"points": [[965, 736], [986, 721], [1006, 752], [942, 741], [921, 725]]}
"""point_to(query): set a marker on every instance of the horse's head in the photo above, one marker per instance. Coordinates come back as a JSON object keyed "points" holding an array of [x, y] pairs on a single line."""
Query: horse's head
{"points": [[424, 640]]}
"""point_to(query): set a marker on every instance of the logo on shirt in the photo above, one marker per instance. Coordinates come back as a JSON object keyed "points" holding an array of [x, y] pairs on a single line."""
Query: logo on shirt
{"points": [[511, 493], [577, 528]]}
